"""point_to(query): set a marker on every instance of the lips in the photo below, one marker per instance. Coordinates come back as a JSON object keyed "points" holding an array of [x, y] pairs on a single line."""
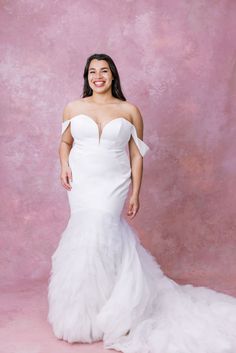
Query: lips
{"points": [[99, 83]]}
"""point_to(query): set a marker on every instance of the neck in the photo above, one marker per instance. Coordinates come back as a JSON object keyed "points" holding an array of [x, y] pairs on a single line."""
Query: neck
{"points": [[102, 98]]}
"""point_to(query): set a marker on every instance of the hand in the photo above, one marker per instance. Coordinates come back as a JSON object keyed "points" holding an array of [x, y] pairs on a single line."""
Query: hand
{"points": [[133, 206], [66, 177]]}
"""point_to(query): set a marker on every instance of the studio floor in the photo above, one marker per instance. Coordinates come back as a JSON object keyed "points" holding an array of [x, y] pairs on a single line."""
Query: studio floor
{"points": [[24, 327]]}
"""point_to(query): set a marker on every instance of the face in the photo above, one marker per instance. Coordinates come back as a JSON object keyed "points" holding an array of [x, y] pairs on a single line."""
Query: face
{"points": [[99, 76]]}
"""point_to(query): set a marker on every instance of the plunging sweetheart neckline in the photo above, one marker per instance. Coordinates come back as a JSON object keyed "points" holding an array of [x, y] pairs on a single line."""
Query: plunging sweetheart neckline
{"points": [[143, 148], [100, 131]]}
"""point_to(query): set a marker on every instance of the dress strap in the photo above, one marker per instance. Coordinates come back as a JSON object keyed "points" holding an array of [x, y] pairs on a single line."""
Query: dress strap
{"points": [[142, 146], [64, 125]]}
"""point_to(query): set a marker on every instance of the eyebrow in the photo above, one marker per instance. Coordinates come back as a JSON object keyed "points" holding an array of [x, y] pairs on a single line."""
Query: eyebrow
{"points": [[92, 68]]}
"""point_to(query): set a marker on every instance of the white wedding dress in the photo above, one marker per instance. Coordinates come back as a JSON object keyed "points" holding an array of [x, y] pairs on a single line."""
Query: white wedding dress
{"points": [[104, 285]]}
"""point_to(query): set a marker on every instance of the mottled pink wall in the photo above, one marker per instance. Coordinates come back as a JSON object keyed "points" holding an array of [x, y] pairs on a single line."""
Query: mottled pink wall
{"points": [[177, 63]]}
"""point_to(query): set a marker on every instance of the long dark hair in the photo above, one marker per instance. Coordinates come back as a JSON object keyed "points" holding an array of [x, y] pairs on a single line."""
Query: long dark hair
{"points": [[116, 86]]}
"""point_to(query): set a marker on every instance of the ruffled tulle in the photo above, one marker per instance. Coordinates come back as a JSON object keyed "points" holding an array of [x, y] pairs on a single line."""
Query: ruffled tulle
{"points": [[105, 285], [83, 273]]}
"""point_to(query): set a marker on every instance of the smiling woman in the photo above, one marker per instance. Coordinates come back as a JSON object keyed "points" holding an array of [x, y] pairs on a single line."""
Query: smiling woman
{"points": [[102, 73], [99, 82], [104, 285]]}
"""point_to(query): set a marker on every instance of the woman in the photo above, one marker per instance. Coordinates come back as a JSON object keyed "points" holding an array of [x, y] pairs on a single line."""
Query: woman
{"points": [[104, 285]]}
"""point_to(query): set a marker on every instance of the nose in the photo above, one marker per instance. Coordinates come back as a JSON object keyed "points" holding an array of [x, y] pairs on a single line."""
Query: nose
{"points": [[97, 75]]}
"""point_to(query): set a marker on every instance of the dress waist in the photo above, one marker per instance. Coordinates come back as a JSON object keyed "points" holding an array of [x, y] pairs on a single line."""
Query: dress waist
{"points": [[88, 148]]}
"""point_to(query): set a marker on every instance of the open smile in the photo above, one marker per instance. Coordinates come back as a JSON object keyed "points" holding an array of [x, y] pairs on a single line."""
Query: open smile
{"points": [[99, 83]]}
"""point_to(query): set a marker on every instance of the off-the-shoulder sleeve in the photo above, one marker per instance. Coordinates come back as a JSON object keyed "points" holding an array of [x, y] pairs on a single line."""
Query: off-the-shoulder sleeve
{"points": [[142, 146], [64, 125]]}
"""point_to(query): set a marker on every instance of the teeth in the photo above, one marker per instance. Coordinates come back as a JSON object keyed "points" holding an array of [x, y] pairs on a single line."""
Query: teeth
{"points": [[98, 83]]}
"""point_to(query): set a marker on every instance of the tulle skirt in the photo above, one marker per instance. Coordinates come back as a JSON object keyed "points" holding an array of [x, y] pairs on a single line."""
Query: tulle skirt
{"points": [[104, 285]]}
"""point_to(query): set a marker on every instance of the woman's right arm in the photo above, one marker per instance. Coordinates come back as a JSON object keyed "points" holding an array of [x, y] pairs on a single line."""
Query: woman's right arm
{"points": [[64, 151]]}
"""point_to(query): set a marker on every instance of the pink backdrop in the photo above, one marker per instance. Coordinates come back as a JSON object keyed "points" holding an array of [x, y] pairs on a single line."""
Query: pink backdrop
{"points": [[176, 61]]}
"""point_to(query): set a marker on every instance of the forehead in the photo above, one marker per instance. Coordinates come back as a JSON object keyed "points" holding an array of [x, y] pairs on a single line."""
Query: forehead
{"points": [[98, 64]]}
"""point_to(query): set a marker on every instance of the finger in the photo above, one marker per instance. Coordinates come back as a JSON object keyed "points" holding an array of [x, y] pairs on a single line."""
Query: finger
{"points": [[133, 214], [135, 210], [70, 175], [130, 210], [68, 183], [65, 183], [66, 186]]}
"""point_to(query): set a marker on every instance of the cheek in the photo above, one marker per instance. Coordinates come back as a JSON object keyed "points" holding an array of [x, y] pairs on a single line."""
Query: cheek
{"points": [[108, 77]]}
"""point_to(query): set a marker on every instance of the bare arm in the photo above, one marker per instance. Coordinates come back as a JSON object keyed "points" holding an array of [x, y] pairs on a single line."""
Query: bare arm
{"points": [[136, 162], [64, 150]]}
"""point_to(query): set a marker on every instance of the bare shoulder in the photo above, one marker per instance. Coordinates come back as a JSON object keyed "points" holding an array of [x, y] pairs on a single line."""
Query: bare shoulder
{"points": [[134, 113], [66, 112], [71, 107]]}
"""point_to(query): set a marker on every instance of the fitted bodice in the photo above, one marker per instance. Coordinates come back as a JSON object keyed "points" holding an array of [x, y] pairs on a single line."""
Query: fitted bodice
{"points": [[114, 135]]}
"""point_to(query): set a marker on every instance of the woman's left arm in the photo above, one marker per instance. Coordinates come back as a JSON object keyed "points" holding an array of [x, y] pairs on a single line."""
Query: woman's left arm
{"points": [[136, 162]]}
